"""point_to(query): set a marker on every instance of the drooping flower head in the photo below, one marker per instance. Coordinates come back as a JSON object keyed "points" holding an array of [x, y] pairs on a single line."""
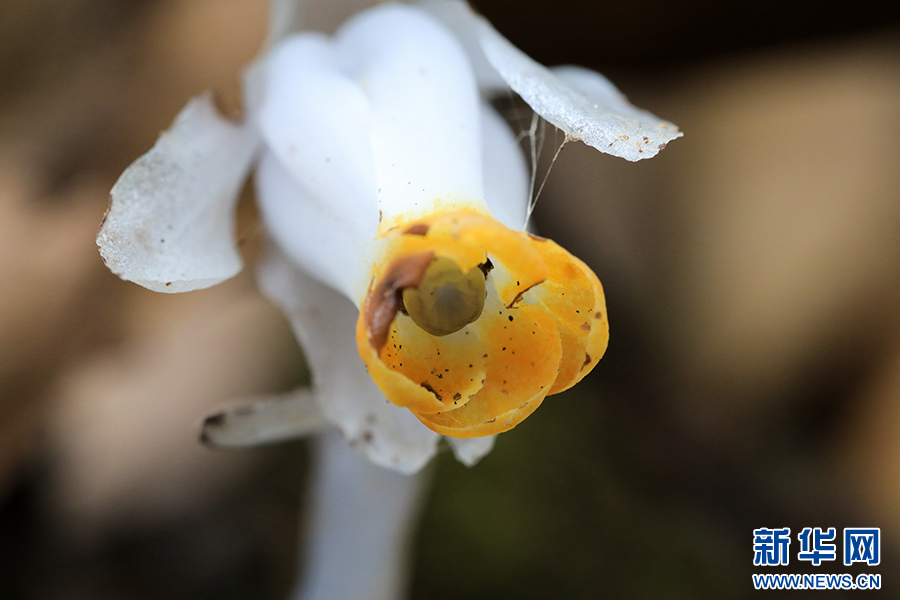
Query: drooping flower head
{"points": [[393, 195]]}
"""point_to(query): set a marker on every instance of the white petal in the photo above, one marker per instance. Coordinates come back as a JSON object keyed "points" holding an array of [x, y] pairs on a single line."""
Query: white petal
{"points": [[283, 19], [505, 170], [290, 16], [316, 121], [325, 322], [171, 219], [316, 238], [424, 108], [471, 450], [361, 519], [459, 17], [263, 421], [584, 104]]}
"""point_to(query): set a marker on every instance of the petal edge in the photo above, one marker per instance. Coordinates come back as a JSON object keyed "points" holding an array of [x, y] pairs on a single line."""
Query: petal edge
{"points": [[170, 223]]}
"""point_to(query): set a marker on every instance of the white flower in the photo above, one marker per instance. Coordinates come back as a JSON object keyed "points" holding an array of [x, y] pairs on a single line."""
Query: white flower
{"points": [[383, 172]]}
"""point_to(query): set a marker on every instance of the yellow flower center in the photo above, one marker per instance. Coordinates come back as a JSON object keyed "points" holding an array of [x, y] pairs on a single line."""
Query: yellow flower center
{"points": [[446, 300], [470, 324]]}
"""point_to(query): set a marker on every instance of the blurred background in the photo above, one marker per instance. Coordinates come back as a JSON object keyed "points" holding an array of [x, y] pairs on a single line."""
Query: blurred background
{"points": [[752, 273]]}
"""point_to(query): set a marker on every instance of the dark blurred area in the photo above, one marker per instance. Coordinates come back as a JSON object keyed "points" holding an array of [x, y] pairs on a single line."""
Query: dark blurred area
{"points": [[752, 273]]}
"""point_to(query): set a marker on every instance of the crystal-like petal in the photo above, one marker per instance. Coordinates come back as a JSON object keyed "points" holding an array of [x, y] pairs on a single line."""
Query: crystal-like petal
{"points": [[425, 131], [572, 294], [523, 360], [314, 236], [505, 171], [170, 223], [315, 120], [459, 17], [263, 421], [470, 451], [583, 103], [324, 321]]}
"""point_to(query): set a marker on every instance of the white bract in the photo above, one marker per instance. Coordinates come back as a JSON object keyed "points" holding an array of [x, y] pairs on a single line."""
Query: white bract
{"points": [[379, 124]]}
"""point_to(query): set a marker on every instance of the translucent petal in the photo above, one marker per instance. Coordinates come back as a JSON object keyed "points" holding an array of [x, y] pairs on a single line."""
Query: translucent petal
{"points": [[523, 360], [425, 127], [170, 223], [470, 451], [263, 421], [572, 294], [459, 17], [452, 367], [486, 377], [324, 321], [316, 121], [583, 103], [361, 518], [505, 170], [323, 243], [290, 16]]}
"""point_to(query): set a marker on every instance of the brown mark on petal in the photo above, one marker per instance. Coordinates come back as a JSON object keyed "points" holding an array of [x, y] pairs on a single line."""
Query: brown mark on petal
{"points": [[105, 215], [586, 326], [519, 296], [587, 361], [211, 422], [428, 387], [598, 315], [385, 299], [417, 229]]}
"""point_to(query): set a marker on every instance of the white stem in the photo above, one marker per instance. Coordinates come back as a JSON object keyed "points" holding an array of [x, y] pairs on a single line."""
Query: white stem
{"points": [[359, 525]]}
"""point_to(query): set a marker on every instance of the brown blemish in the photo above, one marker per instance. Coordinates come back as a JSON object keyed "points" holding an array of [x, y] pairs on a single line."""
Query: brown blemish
{"points": [[105, 215], [384, 301], [521, 294], [417, 229], [212, 422], [598, 315], [379, 216], [457, 396], [586, 327], [428, 387], [216, 420], [587, 361]]}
